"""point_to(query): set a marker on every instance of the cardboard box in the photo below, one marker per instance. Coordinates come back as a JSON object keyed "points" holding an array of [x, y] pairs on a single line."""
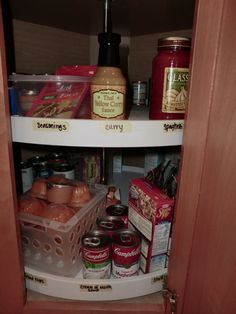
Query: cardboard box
{"points": [[150, 212]]}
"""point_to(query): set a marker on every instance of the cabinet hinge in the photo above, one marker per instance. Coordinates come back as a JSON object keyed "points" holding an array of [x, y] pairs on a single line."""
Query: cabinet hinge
{"points": [[170, 296]]}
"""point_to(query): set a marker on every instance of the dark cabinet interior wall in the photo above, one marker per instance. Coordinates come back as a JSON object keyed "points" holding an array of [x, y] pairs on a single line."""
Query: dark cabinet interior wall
{"points": [[41, 49]]}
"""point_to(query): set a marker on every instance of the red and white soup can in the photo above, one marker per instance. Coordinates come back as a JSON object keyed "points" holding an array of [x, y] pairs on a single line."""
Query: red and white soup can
{"points": [[126, 253], [96, 252]]}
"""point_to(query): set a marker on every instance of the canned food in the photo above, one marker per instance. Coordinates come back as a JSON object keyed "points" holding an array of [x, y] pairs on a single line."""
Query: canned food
{"points": [[110, 224], [118, 210], [96, 252], [26, 175], [126, 253], [36, 160], [65, 169], [27, 97], [139, 92], [54, 159], [40, 168]]}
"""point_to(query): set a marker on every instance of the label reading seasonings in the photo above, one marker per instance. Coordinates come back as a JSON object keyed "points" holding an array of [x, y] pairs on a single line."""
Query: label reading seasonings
{"points": [[175, 90], [50, 125]]}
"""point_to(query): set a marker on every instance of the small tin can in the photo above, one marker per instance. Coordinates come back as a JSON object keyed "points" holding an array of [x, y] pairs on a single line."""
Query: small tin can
{"points": [[39, 165], [54, 158], [126, 253], [139, 92], [96, 252], [110, 224], [42, 170], [26, 175], [118, 210], [65, 169]]}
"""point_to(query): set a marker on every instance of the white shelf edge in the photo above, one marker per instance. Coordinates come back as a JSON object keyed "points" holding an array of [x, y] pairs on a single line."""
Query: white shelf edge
{"points": [[96, 133], [106, 290]]}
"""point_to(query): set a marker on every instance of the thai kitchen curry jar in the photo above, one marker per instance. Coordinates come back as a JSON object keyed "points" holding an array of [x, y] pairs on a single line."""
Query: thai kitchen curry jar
{"points": [[170, 72]]}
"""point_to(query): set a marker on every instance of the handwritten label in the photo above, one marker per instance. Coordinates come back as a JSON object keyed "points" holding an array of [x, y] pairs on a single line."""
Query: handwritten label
{"points": [[95, 288], [36, 279], [171, 127], [50, 125], [115, 127], [157, 279]]}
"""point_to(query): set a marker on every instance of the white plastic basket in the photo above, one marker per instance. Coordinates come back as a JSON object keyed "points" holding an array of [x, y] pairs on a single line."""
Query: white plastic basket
{"points": [[55, 247]]}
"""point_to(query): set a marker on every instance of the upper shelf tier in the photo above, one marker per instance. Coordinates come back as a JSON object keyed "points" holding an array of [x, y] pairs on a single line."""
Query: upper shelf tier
{"points": [[138, 131]]}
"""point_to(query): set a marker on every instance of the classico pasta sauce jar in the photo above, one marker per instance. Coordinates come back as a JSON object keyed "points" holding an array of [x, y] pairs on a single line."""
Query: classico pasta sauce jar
{"points": [[170, 72]]}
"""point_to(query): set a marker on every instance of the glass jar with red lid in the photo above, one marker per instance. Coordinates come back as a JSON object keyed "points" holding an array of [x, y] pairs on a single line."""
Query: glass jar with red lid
{"points": [[170, 71]]}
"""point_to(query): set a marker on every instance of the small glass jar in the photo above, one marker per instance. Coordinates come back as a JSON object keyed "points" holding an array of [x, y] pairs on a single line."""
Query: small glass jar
{"points": [[170, 70]]}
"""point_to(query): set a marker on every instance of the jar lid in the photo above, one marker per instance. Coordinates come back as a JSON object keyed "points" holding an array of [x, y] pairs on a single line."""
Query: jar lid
{"points": [[174, 42]]}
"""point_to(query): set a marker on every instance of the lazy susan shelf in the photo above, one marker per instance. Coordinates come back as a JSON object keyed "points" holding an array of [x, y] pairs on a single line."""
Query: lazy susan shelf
{"points": [[93, 289], [137, 131]]}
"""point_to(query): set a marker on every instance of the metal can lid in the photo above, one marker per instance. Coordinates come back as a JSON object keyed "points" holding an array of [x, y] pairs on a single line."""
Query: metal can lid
{"points": [[174, 41], [62, 167], [117, 210], [25, 165], [96, 239], [29, 92], [110, 223], [126, 238], [37, 160]]}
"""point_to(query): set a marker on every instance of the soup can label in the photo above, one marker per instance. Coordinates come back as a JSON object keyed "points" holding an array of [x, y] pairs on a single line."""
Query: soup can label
{"points": [[139, 92], [126, 253], [96, 252]]}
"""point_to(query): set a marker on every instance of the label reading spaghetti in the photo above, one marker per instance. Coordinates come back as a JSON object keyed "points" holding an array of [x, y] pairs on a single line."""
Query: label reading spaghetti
{"points": [[171, 127], [50, 125]]}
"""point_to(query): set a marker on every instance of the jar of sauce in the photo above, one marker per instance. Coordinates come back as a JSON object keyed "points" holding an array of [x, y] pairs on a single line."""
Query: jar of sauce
{"points": [[108, 85], [170, 71]]}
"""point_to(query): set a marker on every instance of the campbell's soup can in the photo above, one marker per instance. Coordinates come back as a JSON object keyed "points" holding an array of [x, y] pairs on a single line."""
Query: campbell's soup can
{"points": [[96, 253], [118, 210], [110, 224], [126, 253]]}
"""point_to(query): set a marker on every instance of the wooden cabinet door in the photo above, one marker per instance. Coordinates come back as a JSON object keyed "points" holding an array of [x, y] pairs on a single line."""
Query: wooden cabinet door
{"points": [[202, 265], [203, 261]]}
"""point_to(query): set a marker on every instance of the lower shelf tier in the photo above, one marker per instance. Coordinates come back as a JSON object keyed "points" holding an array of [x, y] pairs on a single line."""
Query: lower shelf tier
{"points": [[78, 288]]}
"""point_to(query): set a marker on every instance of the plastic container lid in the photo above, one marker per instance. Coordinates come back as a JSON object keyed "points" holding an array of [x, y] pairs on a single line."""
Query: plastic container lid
{"points": [[48, 78]]}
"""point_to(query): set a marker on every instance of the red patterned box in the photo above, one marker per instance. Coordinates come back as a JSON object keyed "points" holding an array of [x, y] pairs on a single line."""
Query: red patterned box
{"points": [[150, 212]]}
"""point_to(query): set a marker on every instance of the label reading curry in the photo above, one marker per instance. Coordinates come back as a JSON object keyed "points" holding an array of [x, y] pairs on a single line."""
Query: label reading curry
{"points": [[108, 103], [175, 90]]}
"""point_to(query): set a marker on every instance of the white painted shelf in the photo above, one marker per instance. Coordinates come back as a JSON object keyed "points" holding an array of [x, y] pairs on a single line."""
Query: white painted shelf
{"points": [[93, 289], [137, 131]]}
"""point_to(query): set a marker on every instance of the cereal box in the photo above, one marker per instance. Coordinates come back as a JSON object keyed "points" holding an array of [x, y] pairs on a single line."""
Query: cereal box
{"points": [[150, 212]]}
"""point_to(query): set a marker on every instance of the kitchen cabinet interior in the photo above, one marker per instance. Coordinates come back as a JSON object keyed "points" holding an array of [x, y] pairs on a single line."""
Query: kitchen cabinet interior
{"points": [[193, 267]]}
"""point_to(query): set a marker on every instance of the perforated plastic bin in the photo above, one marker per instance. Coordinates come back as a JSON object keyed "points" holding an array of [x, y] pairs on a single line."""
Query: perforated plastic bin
{"points": [[55, 247]]}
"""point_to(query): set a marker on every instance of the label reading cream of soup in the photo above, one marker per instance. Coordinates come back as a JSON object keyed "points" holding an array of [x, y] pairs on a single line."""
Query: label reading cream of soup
{"points": [[108, 103], [175, 90]]}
